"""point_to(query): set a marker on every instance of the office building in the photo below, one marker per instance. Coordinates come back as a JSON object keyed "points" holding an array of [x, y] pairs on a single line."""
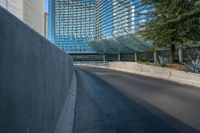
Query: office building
{"points": [[122, 16], [13, 6], [139, 14], [118, 17], [71, 24], [29, 11], [104, 19]]}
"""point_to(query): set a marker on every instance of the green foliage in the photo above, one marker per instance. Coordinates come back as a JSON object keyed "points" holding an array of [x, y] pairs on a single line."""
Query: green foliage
{"points": [[193, 65], [172, 22], [162, 61]]}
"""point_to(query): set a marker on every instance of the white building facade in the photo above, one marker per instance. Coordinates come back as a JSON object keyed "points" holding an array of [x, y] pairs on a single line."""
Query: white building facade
{"points": [[29, 11]]}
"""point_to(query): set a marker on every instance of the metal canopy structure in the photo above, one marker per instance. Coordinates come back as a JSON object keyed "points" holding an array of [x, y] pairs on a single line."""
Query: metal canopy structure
{"points": [[129, 43]]}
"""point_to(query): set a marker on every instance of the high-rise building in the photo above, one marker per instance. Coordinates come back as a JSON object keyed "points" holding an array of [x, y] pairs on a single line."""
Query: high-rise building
{"points": [[29, 11], [104, 19], [33, 11], [13, 6], [71, 23], [139, 14], [46, 24], [118, 17], [122, 16]]}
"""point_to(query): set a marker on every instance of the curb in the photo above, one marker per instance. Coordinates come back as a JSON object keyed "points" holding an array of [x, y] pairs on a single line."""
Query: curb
{"points": [[66, 120]]}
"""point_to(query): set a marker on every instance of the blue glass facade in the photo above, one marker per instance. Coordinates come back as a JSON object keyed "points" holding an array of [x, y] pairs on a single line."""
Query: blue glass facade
{"points": [[104, 24], [73, 22], [119, 17], [51, 21], [139, 13]]}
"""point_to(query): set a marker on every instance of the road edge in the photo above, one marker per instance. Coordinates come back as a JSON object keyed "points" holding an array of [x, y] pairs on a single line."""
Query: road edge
{"points": [[176, 80], [66, 121]]}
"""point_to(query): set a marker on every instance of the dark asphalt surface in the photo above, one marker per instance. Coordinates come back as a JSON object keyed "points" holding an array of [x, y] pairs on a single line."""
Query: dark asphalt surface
{"points": [[110, 101]]}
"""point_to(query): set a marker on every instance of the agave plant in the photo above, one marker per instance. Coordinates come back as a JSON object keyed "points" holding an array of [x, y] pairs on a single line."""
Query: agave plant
{"points": [[162, 61], [194, 65]]}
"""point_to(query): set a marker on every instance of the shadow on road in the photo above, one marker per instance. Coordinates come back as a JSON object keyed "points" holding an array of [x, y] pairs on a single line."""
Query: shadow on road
{"points": [[101, 108]]}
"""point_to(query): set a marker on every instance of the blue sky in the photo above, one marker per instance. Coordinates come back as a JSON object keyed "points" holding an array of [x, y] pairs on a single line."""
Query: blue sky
{"points": [[46, 6]]}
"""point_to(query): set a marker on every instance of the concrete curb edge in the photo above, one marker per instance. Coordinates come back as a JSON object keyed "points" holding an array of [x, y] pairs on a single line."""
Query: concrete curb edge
{"points": [[173, 79], [66, 120]]}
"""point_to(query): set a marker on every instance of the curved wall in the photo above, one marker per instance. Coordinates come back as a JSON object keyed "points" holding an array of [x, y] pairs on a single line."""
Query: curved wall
{"points": [[35, 79]]}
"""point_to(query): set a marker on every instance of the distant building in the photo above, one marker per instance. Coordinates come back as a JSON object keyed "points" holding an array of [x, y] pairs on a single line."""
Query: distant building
{"points": [[29, 11], [46, 24]]}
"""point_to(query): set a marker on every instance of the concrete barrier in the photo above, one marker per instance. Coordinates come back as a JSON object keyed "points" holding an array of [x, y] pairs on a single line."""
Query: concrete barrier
{"points": [[35, 80], [149, 70], [92, 63], [158, 72]]}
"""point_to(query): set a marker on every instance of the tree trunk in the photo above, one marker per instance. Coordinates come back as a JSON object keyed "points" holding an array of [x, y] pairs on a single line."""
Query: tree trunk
{"points": [[172, 54]]}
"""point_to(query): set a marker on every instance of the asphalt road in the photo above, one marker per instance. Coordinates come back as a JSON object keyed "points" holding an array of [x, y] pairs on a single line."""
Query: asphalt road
{"points": [[110, 101]]}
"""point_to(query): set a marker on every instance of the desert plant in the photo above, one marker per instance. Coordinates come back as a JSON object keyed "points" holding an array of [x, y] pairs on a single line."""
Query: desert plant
{"points": [[162, 61], [193, 65]]}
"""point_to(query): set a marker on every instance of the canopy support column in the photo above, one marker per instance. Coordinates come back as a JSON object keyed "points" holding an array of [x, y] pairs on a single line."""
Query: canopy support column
{"points": [[104, 58], [119, 57], [136, 58], [155, 56]]}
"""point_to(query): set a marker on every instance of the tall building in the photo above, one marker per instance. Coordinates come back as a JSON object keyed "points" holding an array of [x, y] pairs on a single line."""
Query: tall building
{"points": [[46, 17], [13, 6], [104, 18], [118, 17], [122, 16], [139, 14], [29, 11], [71, 23], [33, 11]]}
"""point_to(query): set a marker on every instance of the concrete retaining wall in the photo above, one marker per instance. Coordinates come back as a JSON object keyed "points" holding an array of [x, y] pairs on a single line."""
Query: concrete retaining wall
{"points": [[35, 79], [159, 72]]}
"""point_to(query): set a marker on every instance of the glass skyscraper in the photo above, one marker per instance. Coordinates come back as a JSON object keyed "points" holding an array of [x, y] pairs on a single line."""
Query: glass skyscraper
{"points": [[73, 22], [119, 17], [139, 16]]}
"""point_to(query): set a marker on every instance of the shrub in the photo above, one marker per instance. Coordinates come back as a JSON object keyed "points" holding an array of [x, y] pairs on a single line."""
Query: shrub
{"points": [[193, 64], [162, 61]]}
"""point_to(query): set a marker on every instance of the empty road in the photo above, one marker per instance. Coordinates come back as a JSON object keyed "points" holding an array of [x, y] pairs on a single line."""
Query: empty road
{"points": [[110, 101]]}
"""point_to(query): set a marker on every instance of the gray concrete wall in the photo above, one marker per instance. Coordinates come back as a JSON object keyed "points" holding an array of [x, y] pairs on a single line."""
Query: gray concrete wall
{"points": [[158, 72], [181, 77], [35, 78]]}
